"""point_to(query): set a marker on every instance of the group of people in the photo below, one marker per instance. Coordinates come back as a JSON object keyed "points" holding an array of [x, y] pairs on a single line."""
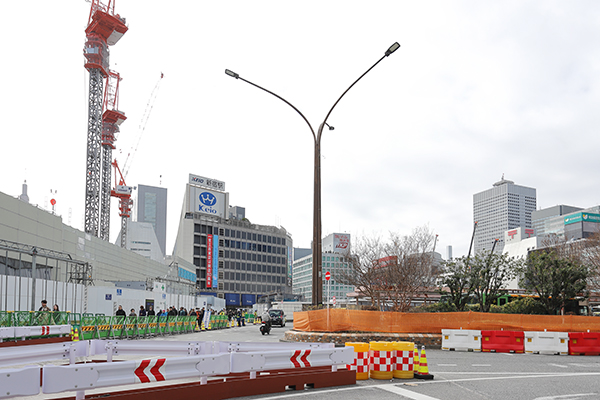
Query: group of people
{"points": [[171, 312], [45, 307]]}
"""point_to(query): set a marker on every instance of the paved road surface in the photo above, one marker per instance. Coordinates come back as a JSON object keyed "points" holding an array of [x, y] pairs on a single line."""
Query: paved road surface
{"points": [[458, 375]]}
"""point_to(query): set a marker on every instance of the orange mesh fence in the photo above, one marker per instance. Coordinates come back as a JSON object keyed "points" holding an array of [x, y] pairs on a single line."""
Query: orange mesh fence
{"points": [[342, 320]]}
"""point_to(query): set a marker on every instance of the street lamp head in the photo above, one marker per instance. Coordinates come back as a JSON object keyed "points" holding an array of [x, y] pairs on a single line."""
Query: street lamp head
{"points": [[329, 126], [392, 49], [233, 74]]}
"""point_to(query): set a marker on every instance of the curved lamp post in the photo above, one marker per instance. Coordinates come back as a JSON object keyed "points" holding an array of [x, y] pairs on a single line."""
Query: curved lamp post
{"points": [[317, 281]]}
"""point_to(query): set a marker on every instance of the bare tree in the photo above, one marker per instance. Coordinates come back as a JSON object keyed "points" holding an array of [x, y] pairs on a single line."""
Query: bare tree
{"points": [[409, 270], [360, 272]]}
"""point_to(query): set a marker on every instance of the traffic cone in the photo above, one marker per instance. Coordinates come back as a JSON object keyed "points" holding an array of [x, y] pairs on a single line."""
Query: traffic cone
{"points": [[416, 361], [202, 327], [423, 369]]}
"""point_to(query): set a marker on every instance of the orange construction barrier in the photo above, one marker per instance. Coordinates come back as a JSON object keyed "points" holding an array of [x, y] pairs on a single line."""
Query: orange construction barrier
{"points": [[503, 341], [343, 320], [584, 343]]}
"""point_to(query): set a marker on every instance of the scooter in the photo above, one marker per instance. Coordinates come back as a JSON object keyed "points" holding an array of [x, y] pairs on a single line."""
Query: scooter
{"points": [[265, 328]]}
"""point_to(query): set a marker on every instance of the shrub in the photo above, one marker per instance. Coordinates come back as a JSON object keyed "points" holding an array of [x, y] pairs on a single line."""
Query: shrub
{"points": [[435, 307]]}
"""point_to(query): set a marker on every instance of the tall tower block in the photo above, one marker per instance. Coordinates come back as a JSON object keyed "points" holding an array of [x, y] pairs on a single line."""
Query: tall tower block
{"points": [[104, 29]]}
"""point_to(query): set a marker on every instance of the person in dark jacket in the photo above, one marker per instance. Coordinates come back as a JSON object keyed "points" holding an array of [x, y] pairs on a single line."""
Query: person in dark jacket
{"points": [[142, 312], [121, 312], [151, 311]]}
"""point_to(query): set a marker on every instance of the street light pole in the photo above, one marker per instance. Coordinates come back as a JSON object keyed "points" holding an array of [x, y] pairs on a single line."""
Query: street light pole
{"points": [[317, 259]]}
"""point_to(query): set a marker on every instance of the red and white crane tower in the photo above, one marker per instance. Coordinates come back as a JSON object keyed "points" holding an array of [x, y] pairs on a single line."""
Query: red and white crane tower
{"points": [[123, 193], [112, 118], [104, 29]]}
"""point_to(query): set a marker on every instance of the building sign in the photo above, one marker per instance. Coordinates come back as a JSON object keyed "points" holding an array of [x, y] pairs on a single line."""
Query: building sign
{"points": [[207, 202], [215, 258], [209, 261], [207, 182], [341, 242], [571, 219]]}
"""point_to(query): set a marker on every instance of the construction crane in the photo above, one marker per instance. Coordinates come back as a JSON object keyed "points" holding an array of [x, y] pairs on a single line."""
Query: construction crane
{"points": [[112, 118], [142, 126], [123, 193], [121, 190], [104, 29]]}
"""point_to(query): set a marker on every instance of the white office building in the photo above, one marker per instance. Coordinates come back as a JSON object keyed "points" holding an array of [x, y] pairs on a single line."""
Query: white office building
{"points": [[335, 248], [504, 207]]}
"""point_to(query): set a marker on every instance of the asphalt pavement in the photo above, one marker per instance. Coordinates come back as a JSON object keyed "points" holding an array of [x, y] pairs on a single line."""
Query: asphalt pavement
{"points": [[457, 375]]}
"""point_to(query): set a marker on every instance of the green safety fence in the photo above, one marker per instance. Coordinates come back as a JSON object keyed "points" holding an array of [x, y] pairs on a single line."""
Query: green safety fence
{"points": [[142, 326], [152, 325], [130, 327], [117, 327], [99, 326], [103, 326], [163, 325], [88, 328], [6, 319]]}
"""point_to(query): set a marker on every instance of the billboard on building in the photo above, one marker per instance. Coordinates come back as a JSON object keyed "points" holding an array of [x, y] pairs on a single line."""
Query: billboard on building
{"points": [[341, 242], [207, 182], [207, 201]]}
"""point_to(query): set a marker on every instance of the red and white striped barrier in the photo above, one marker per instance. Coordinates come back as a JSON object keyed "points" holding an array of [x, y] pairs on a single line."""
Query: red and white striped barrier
{"points": [[41, 330], [80, 377], [286, 359], [19, 382]]}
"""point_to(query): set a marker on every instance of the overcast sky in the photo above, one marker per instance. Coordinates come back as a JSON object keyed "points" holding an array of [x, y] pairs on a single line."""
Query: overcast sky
{"points": [[477, 90]]}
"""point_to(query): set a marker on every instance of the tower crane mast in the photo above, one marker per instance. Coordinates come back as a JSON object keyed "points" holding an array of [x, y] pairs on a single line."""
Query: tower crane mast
{"points": [[112, 118], [123, 193], [104, 29]]}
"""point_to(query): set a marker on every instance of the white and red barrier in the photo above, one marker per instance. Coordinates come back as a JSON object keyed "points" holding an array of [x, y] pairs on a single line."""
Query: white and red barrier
{"points": [[42, 330], [285, 359], [547, 342], [79, 377], [234, 347], [461, 339]]}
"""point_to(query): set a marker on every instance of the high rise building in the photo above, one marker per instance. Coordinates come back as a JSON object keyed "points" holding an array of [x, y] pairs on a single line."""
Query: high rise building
{"points": [[503, 207], [152, 208], [335, 248], [545, 221], [233, 258]]}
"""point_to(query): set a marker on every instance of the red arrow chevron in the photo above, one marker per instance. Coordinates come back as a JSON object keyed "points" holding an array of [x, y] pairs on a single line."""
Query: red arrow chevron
{"points": [[304, 358], [139, 371], [156, 370], [157, 376], [303, 354]]}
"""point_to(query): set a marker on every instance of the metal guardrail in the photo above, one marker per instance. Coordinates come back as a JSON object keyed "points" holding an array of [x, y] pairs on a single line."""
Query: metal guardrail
{"points": [[194, 359]]}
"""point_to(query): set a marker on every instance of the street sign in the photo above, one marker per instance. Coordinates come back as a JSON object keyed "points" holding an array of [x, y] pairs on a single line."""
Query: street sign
{"points": [[327, 275], [333, 299]]}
